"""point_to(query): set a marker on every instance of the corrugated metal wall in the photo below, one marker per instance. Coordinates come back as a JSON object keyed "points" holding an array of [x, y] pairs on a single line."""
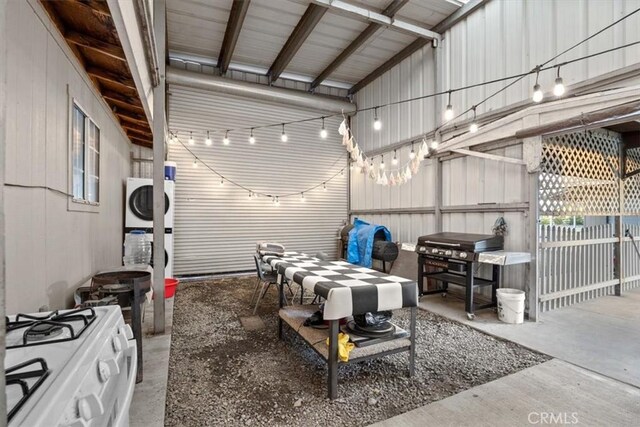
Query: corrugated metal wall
{"points": [[503, 38], [216, 227]]}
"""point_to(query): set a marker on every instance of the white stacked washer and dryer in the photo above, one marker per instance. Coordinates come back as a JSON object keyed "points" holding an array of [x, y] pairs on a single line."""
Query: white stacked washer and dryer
{"points": [[139, 214]]}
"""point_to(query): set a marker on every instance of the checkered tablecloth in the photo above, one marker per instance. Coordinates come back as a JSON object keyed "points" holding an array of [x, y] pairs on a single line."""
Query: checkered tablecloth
{"points": [[348, 289]]}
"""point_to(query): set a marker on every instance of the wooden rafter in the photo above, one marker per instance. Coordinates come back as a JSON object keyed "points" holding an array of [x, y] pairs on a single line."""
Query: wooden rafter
{"points": [[303, 29], [395, 60], [110, 77], [143, 130], [140, 141], [88, 42], [120, 102], [365, 35], [234, 25], [96, 6], [132, 117]]}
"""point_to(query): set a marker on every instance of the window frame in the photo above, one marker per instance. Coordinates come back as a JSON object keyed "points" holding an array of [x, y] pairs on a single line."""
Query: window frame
{"points": [[74, 203]]}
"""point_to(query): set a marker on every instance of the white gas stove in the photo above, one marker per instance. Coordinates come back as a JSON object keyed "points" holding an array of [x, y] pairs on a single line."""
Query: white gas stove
{"points": [[70, 368]]}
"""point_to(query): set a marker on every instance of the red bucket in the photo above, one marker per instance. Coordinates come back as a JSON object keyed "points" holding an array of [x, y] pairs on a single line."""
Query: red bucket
{"points": [[170, 285]]}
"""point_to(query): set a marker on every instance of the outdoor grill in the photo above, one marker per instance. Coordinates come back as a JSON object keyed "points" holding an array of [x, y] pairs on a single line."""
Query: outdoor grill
{"points": [[453, 259]]}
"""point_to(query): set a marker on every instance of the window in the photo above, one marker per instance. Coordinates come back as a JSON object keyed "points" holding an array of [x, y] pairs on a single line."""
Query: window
{"points": [[85, 158]]}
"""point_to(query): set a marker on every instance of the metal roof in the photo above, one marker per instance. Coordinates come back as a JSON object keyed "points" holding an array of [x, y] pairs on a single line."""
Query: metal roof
{"points": [[196, 30]]}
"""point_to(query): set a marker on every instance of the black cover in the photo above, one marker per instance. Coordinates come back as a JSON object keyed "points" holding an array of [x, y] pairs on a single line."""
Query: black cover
{"points": [[384, 251], [463, 241]]}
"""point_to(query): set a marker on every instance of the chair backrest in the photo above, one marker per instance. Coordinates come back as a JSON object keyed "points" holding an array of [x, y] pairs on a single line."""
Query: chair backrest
{"points": [[259, 266]]}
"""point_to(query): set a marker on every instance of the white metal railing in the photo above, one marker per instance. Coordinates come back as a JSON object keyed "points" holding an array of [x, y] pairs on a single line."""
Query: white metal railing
{"points": [[576, 264]]}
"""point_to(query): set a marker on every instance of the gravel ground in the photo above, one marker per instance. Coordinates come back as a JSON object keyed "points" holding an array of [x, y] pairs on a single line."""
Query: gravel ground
{"points": [[220, 374]]}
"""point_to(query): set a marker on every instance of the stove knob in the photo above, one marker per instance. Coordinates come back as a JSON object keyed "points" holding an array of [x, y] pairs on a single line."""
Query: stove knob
{"points": [[126, 331], [90, 407], [107, 369], [117, 344], [463, 255]]}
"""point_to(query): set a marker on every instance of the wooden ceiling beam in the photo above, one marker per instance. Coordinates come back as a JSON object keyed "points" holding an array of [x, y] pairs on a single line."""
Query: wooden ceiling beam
{"points": [[234, 25], [107, 76], [140, 141], [303, 29], [365, 35], [96, 6], [88, 42], [137, 129], [134, 102], [131, 117], [395, 60]]}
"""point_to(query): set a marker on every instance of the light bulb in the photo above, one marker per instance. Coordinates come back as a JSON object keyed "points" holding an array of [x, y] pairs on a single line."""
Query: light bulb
{"points": [[302, 197], [250, 195], [412, 154], [171, 138], [283, 137], [351, 166], [195, 163], [558, 89], [221, 182], [252, 140], [394, 161], [276, 201], [341, 172], [537, 93], [434, 144], [377, 124], [323, 131], [324, 186], [191, 141], [382, 163], [208, 140], [448, 113], [473, 128], [225, 140]]}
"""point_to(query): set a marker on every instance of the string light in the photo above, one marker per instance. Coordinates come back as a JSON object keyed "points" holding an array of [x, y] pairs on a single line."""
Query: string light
{"points": [[394, 161], [250, 195], [252, 139], [225, 140], [341, 172], [276, 201], [195, 163], [382, 163], [284, 137], [171, 138], [221, 182], [377, 124], [351, 166], [412, 154], [537, 91], [448, 113], [434, 145], [191, 141], [324, 186], [474, 126], [558, 88], [323, 131], [302, 196], [371, 162], [208, 140]]}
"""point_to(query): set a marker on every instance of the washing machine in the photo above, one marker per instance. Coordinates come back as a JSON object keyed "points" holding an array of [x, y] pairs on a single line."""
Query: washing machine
{"points": [[139, 203], [168, 251]]}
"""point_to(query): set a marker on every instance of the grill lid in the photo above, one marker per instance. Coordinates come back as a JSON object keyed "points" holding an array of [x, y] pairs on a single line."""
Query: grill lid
{"points": [[465, 241]]}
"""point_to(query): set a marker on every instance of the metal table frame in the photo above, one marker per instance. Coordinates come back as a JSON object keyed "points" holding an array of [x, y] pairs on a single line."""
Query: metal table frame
{"points": [[334, 328]]}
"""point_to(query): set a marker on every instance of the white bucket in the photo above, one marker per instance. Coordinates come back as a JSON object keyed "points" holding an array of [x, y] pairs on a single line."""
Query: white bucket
{"points": [[510, 305]]}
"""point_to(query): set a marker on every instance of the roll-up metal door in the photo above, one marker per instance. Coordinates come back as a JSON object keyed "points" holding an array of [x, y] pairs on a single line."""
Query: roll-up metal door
{"points": [[217, 226]]}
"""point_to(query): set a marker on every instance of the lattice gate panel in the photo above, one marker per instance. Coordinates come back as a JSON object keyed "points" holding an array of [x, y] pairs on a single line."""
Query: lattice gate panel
{"points": [[578, 174], [632, 184]]}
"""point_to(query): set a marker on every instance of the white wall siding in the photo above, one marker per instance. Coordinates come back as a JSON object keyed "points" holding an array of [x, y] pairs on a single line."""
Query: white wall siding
{"points": [[216, 227], [50, 250], [503, 38]]}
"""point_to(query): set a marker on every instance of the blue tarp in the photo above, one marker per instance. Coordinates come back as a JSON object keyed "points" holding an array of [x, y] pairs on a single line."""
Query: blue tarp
{"points": [[360, 244]]}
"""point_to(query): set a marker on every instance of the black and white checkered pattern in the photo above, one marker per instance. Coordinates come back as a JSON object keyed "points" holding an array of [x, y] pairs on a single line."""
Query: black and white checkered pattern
{"points": [[348, 289]]}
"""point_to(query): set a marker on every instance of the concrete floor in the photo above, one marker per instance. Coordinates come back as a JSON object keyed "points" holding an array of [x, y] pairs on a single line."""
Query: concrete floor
{"points": [[149, 396], [570, 394], [602, 335]]}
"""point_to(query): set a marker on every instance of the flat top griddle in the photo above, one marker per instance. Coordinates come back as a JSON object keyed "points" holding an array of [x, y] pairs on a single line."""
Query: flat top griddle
{"points": [[463, 241]]}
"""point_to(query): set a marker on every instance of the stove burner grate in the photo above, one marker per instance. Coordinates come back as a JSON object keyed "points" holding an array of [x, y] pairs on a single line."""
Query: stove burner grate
{"points": [[14, 378], [41, 328]]}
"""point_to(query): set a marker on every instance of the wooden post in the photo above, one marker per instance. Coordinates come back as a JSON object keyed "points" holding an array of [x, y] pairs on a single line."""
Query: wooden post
{"points": [[159, 120]]}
